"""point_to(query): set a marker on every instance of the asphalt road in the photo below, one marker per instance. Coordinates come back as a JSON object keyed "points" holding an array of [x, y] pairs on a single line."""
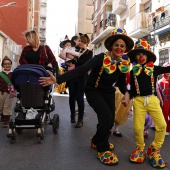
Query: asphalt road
{"points": [[70, 148]]}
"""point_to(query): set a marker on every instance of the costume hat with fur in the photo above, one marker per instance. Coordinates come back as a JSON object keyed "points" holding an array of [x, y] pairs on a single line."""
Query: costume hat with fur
{"points": [[116, 34], [65, 41], [142, 46], [6, 58]]}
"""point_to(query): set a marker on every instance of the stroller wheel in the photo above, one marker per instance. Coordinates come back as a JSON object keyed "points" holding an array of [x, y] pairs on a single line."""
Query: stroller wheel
{"points": [[12, 138], [19, 131], [40, 135], [55, 123], [39, 139]]}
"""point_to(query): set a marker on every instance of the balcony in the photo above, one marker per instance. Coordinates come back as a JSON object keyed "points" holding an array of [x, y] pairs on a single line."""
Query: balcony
{"points": [[42, 27], [119, 6], [94, 15], [138, 26], [97, 12], [161, 26], [43, 15], [44, 4], [143, 1], [110, 19], [108, 2], [161, 22], [102, 35]]}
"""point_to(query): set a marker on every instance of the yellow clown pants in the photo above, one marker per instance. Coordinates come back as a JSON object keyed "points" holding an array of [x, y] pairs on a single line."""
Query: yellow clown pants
{"points": [[141, 106]]}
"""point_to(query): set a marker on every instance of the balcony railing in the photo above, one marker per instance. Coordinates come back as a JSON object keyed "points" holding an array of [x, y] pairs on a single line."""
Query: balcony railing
{"points": [[119, 6], [43, 15], [110, 19], [42, 26], [161, 19], [43, 4], [94, 15], [159, 24]]}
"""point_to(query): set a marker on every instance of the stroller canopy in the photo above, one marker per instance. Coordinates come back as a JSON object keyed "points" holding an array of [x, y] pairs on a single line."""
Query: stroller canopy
{"points": [[28, 74]]}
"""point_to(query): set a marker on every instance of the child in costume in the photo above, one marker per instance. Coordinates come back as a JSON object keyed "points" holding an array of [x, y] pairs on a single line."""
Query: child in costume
{"points": [[143, 77], [164, 89], [5, 97], [68, 53], [61, 88]]}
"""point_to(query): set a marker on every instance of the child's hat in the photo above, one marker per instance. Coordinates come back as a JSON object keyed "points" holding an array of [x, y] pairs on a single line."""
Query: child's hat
{"points": [[65, 41], [142, 46], [6, 58], [115, 35]]}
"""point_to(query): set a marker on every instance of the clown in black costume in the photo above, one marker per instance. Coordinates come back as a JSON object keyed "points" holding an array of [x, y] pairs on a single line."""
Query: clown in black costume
{"points": [[106, 70]]}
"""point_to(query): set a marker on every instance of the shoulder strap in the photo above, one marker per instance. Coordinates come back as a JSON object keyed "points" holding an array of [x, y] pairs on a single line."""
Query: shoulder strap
{"points": [[45, 52], [5, 77]]}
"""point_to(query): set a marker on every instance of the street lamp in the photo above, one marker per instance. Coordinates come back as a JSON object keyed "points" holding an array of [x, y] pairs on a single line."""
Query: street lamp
{"points": [[9, 4]]}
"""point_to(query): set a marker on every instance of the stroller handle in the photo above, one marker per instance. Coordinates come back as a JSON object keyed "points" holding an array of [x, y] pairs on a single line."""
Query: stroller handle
{"points": [[50, 69]]}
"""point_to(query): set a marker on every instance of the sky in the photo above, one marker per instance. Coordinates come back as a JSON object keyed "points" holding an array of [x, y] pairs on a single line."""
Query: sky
{"points": [[61, 17]]}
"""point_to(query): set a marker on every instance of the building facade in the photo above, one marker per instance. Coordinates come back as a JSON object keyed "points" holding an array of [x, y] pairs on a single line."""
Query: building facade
{"points": [[15, 21], [147, 19], [84, 20]]}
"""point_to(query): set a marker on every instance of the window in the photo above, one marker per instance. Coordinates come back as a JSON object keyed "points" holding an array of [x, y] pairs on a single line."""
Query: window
{"points": [[163, 56], [95, 29], [96, 5], [101, 23]]}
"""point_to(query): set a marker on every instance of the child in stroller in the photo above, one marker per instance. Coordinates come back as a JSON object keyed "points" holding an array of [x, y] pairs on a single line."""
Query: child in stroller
{"points": [[34, 103]]}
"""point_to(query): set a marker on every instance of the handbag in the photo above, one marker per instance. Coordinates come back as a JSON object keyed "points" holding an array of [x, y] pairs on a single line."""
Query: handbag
{"points": [[11, 89]]}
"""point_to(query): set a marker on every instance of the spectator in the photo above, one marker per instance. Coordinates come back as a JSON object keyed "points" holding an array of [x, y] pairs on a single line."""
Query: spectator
{"points": [[164, 90], [36, 53], [5, 97]]}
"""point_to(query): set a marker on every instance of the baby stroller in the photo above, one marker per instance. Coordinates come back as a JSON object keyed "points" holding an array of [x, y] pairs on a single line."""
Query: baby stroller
{"points": [[34, 102]]}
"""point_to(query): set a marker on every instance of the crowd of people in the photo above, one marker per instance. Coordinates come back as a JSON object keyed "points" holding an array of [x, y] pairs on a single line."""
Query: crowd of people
{"points": [[105, 80]]}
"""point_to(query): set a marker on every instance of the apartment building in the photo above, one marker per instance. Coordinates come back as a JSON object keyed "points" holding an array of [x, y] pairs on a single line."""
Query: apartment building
{"points": [[42, 21], [84, 20], [15, 19], [36, 20], [147, 19]]}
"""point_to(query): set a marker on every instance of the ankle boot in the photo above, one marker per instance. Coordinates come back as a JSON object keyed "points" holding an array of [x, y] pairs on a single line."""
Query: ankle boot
{"points": [[73, 120], [6, 120]]}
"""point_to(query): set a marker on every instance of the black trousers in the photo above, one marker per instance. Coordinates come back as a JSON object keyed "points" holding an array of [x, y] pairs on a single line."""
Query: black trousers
{"points": [[104, 106], [76, 93]]}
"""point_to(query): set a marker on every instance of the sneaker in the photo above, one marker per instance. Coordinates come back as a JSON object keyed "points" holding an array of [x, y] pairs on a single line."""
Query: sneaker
{"points": [[107, 158]]}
